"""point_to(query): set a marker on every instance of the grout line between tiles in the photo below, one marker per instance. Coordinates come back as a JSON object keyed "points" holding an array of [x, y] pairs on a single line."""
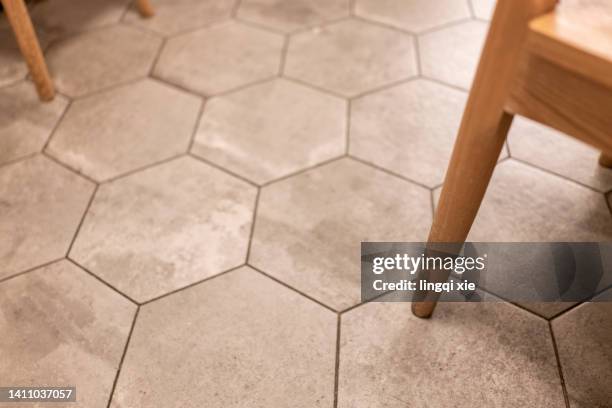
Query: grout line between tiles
{"points": [[445, 25], [57, 124], [385, 87], [417, 55], [206, 279], [337, 367], [196, 125], [32, 269], [158, 54], [67, 167], [223, 169], [559, 367], [19, 159], [315, 87], [283, 56], [253, 221], [471, 8], [293, 289], [583, 301], [304, 170], [142, 168], [125, 349], [349, 107], [235, 8], [82, 220], [389, 172], [108, 285]]}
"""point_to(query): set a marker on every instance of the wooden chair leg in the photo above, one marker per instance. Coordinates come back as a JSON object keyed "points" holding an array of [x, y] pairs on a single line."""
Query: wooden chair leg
{"points": [[145, 8], [605, 160], [19, 19], [481, 136]]}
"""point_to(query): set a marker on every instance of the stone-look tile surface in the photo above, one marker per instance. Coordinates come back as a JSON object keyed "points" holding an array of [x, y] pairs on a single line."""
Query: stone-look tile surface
{"points": [[309, 227], [175, 16], [413, 15], [101, 58], [166, 227], [483, 9], [524, 204], [290, 15], [584, 341], [561, 154], [61, 17], [25, 123], [409, 129], [275, 136], [12, 66], [42, 204], [451, 54], [351, 57], [471, 354], [239, 340], [61, 326], [113, 132], [220, 58]]}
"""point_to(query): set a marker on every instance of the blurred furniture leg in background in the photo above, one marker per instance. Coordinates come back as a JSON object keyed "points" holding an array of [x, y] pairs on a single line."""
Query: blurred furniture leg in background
{"points": [[19, 19], [145, 8]]}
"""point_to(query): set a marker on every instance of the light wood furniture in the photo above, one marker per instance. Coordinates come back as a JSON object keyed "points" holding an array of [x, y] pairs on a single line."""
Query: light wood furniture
{"points": [[550, 64], [17, 14]]}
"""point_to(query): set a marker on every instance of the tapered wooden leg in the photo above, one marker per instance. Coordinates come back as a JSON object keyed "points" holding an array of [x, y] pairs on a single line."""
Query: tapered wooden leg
{"points": [[482, 133], [605, 160], [145, 8], [19, 19]]}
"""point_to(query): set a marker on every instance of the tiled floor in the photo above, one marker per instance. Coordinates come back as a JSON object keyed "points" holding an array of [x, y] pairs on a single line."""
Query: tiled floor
{"points": [[181, 225]]}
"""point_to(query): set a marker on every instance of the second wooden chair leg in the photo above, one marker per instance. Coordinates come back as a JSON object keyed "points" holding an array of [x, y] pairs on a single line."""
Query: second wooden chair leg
{"points": [[19, 19], [605, 160], [145, 8]]}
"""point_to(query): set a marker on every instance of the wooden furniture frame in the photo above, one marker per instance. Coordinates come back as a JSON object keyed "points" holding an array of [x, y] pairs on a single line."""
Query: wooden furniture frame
{"points": [[539, 63], [17, 14]]}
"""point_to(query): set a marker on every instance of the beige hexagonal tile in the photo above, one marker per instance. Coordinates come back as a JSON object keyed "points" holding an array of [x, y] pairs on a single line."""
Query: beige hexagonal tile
{"points": [[220, 58], [290, 15], [524, 204], [468, 355], [451, 54], [309, 227], [351, 57], [98, 59], [12, 65], [561, 154], [175, 16], [116, 131], [584, 340], [409, 129], [42, 205], [61, 17], [26, 122], [483, 9], [62, 327], [241, 340], [413, 15], [275, 136], [166, 227]]}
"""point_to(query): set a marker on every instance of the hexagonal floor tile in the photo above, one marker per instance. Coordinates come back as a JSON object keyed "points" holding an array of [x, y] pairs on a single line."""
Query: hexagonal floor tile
{"points": [[351, 57], [61, 17], [309, 227], [584, 340], [561, 154], [12, 65], [409, 129], [132, 125], [98, 59], [26, 123], [62, 327], [483, 9], [468, 355], [451, 54], [524, 204], [275, 136], [242, 340], [166, 227], [290, 15], [43, 204], [413, 15], [220, 58], [175, 16]]}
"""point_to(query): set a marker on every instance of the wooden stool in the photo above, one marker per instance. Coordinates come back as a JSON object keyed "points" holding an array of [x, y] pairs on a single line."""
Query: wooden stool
{"points": [[19, 19], [552, 66]]}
